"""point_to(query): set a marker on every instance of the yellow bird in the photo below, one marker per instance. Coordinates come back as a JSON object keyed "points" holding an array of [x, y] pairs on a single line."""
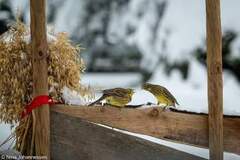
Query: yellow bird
{"points": [[161, 94], [118, 97]]}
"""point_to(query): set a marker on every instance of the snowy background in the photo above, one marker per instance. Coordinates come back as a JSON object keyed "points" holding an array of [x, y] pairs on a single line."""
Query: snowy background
{"points": [[134, 41]]}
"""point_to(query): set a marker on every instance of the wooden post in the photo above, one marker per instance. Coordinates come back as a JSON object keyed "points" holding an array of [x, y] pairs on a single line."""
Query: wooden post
{"points": [[215, 92], [40, 84]]}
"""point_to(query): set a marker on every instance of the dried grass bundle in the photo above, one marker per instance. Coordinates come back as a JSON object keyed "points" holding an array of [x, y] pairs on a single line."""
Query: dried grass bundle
{"points": [[65, 69]]}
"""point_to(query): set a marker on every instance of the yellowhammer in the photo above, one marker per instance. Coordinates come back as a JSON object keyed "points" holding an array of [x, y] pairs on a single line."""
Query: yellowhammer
{"points": [[161, 93], [118, 97]]}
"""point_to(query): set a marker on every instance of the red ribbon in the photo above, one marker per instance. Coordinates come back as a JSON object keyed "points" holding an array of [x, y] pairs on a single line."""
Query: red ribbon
{"points": [[37, 102]]}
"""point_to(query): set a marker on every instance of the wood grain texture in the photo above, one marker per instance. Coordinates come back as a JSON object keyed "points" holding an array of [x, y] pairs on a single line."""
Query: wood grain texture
{"points": [[40, 84], [215, 91], [76, 139], [169, 125]]}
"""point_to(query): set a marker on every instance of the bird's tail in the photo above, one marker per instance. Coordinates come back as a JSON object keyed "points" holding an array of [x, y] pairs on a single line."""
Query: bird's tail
{"points": [[134, 106], [95, 102]]}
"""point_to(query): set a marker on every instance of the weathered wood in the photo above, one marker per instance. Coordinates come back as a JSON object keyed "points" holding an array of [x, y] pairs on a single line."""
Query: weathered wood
{"points": [[215, 91], [76, 139], [40, 85], [169, 125]]}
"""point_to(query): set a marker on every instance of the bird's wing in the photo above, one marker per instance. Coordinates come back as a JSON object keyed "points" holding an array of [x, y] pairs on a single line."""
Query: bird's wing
{"points": [[117, 92], [168, 94]]}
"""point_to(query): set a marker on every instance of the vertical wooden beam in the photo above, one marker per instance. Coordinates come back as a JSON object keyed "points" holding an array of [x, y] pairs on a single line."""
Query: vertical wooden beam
{"points": [[215, 92], [40, 84]]}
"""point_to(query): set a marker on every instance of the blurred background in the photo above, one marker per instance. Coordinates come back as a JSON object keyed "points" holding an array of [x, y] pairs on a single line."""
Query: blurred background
{"points": [[129, 42]]}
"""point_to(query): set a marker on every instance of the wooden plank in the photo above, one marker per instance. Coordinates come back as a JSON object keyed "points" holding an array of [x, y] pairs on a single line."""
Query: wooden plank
{"points": [[76, 139], [40, 83], [169, 125], [215, 91]]}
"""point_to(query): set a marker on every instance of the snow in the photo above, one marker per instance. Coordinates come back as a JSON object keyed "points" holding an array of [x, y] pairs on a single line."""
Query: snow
{"points": [[7, 37], [72, 97], [5, 132], [110, 80], [70, 7], [186, 22], [4, 15]]}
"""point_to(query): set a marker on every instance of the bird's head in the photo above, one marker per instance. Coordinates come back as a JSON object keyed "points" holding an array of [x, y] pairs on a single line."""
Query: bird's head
{"points": [[147, 86]]}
